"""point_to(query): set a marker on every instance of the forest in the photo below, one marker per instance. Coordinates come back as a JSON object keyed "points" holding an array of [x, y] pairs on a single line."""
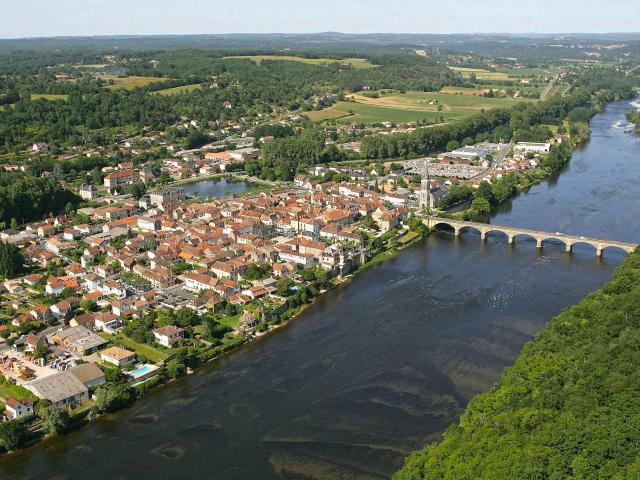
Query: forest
{"points": [[567, 409], [24, 198]]}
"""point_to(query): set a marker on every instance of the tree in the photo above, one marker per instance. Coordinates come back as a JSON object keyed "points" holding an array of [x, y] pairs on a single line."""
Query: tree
{"points": [[175, 368], [56, 421], [283, 286], [137, 189], [11, 260], [112, 396], [88, 305], [13, 434], [481, 205]]}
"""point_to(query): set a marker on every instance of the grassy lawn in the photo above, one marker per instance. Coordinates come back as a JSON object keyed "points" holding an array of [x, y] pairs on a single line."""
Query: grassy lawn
{"points": [[129, 83], [14, 391], [358, 63], [150, 353], [49, 96], [175, 90], [409, 237], [410, 106], [231, 322]]}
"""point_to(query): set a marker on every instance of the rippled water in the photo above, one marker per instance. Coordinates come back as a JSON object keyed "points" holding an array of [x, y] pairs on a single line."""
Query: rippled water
{"points": [[380, 366]]}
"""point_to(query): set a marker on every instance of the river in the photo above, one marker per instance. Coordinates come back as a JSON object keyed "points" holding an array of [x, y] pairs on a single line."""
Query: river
{"points": [[380, 366]]}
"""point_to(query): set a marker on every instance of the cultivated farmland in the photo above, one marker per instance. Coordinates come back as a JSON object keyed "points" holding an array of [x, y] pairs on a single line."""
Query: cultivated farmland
{"points": [[358, 63], [410, 106]]}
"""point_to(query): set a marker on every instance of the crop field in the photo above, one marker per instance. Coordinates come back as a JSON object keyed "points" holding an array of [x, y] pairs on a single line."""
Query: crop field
{"points": [[358, 63], [499, 89], [129, 83], [506, 73], [49, 96], [176, 90], [410, 106], [481, 74]]}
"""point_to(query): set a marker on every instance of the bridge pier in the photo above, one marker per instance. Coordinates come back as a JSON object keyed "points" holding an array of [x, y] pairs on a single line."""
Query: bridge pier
{"points": [[456, 232], [510, 239], [568, 247], [599, 251], [483, 236], [538, 243]]}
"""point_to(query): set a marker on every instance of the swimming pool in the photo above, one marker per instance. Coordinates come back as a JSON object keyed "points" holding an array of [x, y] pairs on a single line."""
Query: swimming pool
{"points": [[142, 371]]}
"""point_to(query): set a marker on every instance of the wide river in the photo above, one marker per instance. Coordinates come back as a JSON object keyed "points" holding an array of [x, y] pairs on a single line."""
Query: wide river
{"points": [[380, 366]]}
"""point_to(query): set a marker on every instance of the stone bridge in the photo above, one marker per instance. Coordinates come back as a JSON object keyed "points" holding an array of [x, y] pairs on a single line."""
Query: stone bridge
{"points": [[539, 236]]}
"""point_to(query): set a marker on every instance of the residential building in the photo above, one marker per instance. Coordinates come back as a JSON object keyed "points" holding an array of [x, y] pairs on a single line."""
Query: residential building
{"points": [[168, 336]]}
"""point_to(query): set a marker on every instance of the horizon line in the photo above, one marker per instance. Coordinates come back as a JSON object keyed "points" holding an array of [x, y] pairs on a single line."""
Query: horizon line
{"points": [[151, 35]]}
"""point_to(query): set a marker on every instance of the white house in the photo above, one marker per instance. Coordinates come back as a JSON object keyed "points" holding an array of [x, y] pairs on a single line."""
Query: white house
{"points": [[18, 408], [168, 335]]}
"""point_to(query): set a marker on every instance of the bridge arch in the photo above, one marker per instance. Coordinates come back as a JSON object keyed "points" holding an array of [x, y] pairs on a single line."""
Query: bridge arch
{"points": [[471, 227], [614, 248], [582, 242], [450, 226], [498, 231], [566, 242]]}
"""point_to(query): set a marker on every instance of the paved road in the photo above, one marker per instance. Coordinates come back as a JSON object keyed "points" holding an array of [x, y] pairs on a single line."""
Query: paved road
{"points": [[547, 89]]}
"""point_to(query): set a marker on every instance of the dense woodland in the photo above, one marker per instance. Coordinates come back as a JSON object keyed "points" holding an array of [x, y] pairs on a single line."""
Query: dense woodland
{"points": [[567, 409], [25, 197]]}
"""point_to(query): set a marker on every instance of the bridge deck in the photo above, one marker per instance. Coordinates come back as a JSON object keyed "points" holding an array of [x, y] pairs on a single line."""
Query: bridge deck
{"points": [[538, 235]]}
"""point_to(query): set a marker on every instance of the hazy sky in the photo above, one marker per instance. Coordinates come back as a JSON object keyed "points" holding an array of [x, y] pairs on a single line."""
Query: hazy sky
{"points": [[35, 18]]}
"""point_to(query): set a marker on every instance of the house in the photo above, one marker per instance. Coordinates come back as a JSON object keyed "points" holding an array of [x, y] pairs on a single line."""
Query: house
{"points": [[149, 223], [117, 356], [40, 147], [89, 374], [41, 313], [88, 192], [17, 408], [169, 335], [63, 389], [122, 177], [197, 281], [61, 309], [54, 286], [107, 322], [248, 322], [78, 339], [160, 196], [111, 287]]}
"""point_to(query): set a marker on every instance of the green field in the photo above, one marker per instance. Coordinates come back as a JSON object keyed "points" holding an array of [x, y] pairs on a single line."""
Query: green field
{"points": [[358, 63], [176, 90], [129, 83], [410, 106], [49, 96], [150, 353]]}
